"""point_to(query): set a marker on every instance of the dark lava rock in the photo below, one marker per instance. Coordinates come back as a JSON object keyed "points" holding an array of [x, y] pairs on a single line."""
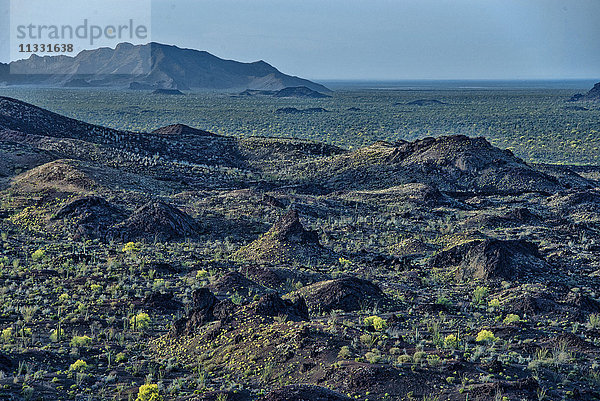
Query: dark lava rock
{"points": [[90, 216], [425, 102], [300, 92], [491, 259], [576, 97], [515, 217], [168, 92], [161, 301], [575, 201], [521, 215], [287, 241], [203, 305], [532, 304], [6, 364], [257, 92], [272, 305], [459, 166], [182, 130], [203, 299], [233, 282], [161, 268], [304, 392], [572, 305], [593, 95], [207, 308], [157, 220], [577, 108], [520, 388], [347, 294], [582, 304], [272, 201], [290, 229], [232, 395], [293, 110]]}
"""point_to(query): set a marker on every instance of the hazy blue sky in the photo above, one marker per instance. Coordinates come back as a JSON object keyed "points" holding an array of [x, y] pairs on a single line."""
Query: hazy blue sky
{"points": [[391, 39]]}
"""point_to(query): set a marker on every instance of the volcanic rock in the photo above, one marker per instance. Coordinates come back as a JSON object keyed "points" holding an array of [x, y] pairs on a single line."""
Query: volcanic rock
{"points": [[161, 301], [272, 305], [347, 294], [157, 220], [593, 95], [233, 282], [286, 242], [491, 259], [90, 216], [304, 392]]}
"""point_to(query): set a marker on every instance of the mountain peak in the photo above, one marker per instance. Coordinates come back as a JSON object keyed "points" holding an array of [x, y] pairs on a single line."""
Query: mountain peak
{"points": [[153, 66]]}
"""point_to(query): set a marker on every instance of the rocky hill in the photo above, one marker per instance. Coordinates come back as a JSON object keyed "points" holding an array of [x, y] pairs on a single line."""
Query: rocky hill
{"points": [[243, 269], [452, 164], [592, 95], [150, 66]]}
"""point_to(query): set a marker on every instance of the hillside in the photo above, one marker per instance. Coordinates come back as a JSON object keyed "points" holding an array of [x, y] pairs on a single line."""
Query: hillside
{"points": [[223, 268], [592, 95], [150, 66]]}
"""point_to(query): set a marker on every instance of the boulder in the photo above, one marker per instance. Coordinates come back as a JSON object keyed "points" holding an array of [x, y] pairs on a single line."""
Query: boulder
{"points": [[287, 242], [491, 259], [347, 294], [272, 305], [304, 392], [157, 221]]}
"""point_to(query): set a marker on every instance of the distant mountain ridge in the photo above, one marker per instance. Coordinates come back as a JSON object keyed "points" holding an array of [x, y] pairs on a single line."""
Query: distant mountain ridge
{"points": [[593, 95], [150, 66]]}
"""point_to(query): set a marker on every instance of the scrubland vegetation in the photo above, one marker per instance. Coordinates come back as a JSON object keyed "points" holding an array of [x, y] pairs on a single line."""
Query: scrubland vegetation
{"points": [[181, 265]]}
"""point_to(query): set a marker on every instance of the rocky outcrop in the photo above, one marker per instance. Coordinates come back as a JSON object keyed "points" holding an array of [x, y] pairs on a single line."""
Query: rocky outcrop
{"points": [[90, 216], [592, 95], [491, 259], [157, 220], [286, 242], [206, 307], [304, 392], [347, 294]]}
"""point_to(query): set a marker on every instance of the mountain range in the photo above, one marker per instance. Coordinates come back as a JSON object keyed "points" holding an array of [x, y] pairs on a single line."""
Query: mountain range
{"points": [[150, 66]]}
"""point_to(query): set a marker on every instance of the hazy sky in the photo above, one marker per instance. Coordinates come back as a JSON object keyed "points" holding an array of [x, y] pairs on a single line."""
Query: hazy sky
{"points": [[389, 39]]}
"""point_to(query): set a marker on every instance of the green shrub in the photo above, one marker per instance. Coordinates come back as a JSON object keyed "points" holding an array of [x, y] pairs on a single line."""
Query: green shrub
{"points": [[511, 318], [344, 353], [494, 303], [141, 321], [55, 335], [441, 300], [480, 294], [377, 323], [38, 255], [594, 320], [121, 357], [485, 336], [368, 339], [373, 356], [149, 392], [451, 341], [81, 341], [418, 356], [7, 335], [130, 247], [78, 366]]}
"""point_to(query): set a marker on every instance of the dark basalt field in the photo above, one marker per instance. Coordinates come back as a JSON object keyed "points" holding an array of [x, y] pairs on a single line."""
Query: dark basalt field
{"points": [[228, 268]]}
